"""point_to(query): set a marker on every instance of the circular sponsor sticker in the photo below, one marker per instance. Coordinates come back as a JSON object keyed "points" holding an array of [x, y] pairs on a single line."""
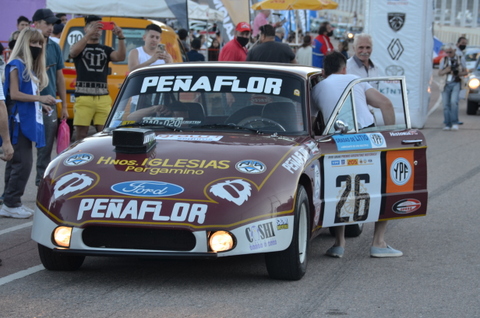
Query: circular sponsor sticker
{"points": [[377, 139], [251, 166], [78, 159], [400, 171]]}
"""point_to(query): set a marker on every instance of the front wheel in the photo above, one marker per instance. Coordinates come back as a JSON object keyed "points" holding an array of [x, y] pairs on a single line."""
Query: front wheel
{"points": [[291, 264], [472, 107], [56, 261]]}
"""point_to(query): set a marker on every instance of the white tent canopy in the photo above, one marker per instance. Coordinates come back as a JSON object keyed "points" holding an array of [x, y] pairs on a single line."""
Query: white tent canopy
{"points": [[121, 8], [203, 12], [136, 8]]}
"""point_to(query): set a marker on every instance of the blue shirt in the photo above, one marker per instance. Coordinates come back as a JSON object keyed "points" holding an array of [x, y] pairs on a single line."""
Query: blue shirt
{"points": [[54, 62], [195, 56]]}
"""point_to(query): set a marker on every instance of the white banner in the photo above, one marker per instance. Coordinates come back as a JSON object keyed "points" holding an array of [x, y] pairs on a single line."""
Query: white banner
{"points": [[402, 45]]}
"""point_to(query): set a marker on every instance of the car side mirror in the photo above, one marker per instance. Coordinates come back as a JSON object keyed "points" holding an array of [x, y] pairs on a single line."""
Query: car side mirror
{"points": [[340, 127]]}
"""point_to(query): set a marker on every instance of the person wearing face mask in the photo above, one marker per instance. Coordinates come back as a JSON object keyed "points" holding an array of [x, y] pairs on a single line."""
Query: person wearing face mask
{"points": [[321, 44], [25, 77], [461, 45], [235, 49]]}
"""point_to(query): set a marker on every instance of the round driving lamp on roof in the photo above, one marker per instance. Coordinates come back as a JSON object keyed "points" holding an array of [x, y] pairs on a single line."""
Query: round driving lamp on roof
{"points": [[221, 241], [474, 83]]}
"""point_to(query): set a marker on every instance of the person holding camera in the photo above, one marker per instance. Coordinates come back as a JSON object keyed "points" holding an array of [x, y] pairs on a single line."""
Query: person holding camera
{"points": [[453, 68], [152, 52], [92, 100]]}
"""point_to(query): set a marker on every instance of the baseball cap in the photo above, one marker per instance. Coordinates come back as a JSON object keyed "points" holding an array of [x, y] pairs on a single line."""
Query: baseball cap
{"points": [[47, 15], [58, 28], [243, 27]]}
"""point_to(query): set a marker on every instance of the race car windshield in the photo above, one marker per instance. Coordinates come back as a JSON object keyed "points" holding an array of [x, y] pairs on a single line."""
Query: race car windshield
{"points": [[269, 102]]}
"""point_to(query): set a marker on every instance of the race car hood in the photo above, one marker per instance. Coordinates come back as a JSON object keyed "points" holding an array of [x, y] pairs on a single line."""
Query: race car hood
{"points": [[194, 181]]}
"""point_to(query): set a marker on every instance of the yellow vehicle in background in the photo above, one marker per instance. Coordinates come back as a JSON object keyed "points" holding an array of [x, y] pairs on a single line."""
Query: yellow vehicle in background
{"points": [[133, 30]]}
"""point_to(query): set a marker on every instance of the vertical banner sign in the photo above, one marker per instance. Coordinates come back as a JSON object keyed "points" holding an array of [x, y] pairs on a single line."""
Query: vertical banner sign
{"points": [[234, 11], [402, 46]]}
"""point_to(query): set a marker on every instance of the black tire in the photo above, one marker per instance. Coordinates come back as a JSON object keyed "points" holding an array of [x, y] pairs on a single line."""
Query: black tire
{"points": [[353, 230], [291, 264], [472, 107], [55, 261]]}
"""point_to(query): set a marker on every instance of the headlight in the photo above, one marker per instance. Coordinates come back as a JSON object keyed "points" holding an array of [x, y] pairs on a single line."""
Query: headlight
{"points": [[221, 241], [474, 83], [350, 35], [62, 236]]}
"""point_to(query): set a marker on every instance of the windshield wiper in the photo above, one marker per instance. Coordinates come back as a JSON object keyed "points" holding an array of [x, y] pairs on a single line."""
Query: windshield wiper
{"points": [[229, 126], [144, 124]]}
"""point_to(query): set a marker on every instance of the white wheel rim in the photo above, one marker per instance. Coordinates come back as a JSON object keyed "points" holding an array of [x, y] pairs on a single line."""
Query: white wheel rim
{"points": [[302, 234]]}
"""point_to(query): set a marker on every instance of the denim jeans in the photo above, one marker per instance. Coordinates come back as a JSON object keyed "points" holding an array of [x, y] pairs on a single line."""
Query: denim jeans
{"points": [[450, 96]]}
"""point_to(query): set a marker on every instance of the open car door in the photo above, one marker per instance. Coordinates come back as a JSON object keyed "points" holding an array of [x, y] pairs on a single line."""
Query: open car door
{"points": [[375, 173]]}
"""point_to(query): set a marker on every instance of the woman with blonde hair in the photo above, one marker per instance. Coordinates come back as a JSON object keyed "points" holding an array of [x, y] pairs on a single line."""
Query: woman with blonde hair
{"points": [[25, 77]]}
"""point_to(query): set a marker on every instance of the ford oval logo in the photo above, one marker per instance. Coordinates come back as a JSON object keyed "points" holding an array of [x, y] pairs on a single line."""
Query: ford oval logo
{"points": [[143, 188]]}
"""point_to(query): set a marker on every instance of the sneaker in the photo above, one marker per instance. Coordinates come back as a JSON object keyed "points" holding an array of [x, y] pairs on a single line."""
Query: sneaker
{"points": [[18, 213], [335, 251], [27, 209], [454, 127], [384, 252], [446, 128]]}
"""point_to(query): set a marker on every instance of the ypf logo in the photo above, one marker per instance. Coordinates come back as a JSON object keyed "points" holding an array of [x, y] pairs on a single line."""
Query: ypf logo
{"points": [[400, 171], [396, 20]]}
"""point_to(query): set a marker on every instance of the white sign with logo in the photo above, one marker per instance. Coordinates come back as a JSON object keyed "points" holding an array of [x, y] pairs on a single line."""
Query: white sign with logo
{"points": [[402, 46]]}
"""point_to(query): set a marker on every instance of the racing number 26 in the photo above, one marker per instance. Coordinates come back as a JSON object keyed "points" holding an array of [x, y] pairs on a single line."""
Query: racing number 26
{"points": [[358, 198]]}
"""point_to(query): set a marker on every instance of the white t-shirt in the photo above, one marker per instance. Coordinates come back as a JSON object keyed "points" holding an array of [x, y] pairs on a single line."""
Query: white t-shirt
{"points": [[304, 55], [325, 96], [144, 56], [54, 39]]}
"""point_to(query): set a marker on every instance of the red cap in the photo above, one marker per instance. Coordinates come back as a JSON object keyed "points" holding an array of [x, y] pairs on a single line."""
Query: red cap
{"points": [[243, 27]]}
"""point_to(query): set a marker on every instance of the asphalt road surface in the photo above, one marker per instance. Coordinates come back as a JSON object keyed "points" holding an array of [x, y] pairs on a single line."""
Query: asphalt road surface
{"points": [[438, 276]]}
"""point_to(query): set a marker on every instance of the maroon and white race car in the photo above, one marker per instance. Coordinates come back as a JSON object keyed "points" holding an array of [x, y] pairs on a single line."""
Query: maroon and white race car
{"points": [[209, 160]]}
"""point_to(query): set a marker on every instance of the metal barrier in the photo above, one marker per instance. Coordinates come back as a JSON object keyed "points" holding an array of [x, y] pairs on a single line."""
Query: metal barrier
{"points": [[450, 34]]}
